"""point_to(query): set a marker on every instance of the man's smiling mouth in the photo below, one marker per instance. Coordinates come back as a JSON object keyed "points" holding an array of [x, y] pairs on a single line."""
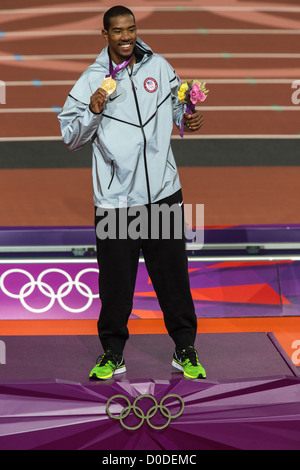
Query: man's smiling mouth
{"points": [[126, 46]]}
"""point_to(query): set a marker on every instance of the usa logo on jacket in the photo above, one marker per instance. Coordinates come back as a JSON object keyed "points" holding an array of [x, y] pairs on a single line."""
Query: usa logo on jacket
{"points": [[150, 85]]}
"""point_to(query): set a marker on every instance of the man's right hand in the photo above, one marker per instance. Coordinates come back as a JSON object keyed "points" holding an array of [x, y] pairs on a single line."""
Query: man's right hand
{"points": [[98, 100]]}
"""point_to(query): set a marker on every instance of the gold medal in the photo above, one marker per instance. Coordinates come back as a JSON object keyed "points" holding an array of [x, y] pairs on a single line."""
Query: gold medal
{"points": [[109, 85]]}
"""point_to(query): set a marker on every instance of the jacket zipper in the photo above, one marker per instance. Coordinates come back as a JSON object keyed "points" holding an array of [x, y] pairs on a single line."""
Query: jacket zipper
{"points": [[113, 174], [144, 137]]}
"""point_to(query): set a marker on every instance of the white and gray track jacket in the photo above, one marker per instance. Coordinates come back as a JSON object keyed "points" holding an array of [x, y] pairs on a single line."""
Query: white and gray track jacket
{"points": [[132, 157]]}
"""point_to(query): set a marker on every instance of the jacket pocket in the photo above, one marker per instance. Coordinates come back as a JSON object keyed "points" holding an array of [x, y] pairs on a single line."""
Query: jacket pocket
{"points": [[112, 173]]}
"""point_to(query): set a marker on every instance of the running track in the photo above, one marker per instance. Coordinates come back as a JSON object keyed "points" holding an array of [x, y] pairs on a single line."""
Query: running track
{"points": [[248, 54]]}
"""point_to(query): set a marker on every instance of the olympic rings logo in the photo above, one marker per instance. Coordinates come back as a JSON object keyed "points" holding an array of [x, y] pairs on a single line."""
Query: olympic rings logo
{"points": [[139, 413], [44, 288]]}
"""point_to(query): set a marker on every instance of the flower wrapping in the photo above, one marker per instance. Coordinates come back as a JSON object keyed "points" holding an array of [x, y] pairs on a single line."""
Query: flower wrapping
{"points": [[190, 93]]}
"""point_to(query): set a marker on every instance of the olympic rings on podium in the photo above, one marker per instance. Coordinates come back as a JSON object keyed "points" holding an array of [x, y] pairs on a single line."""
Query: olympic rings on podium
{"points": [[138, 412]]}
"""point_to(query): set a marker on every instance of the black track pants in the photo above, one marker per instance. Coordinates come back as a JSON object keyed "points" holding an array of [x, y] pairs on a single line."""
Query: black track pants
{"points": [[166, 262]]}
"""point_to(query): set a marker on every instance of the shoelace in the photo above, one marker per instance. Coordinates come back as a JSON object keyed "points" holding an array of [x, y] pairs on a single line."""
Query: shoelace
{"points": [[190, 355], [107, 356], [104, 358]]}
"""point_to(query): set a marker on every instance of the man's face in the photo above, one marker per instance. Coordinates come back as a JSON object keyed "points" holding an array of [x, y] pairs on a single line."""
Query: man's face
{"points": [[121, 37]]}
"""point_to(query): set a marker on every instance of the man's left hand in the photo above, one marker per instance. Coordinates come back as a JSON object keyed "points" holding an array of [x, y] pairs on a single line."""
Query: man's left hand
{"points": [[193, 122]]}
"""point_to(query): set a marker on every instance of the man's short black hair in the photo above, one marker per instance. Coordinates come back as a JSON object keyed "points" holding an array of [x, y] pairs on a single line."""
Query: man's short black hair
{"points": [[113, 13]]}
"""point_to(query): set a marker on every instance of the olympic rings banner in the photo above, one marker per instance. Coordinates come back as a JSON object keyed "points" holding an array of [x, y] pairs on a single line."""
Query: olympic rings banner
{"points": [[62, 290], [46, 290]]}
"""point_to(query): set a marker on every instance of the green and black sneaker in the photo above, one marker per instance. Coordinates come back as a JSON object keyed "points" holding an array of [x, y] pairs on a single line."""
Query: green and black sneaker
{"points": [[108, 365], [186, 360]]}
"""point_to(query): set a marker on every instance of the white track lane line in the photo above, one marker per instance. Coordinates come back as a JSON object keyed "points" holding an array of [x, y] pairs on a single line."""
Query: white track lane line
{"points": [[215, 81], [153, 8], [167, 55], [200, 31], [273, 108], [174, 137]]}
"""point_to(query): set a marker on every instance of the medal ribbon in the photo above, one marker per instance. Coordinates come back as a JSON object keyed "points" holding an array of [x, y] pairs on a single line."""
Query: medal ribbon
{"points": [[113, 72]]}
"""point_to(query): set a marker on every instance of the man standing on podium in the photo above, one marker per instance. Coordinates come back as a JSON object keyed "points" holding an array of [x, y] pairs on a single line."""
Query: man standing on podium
{"points": [[125, 104]]}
